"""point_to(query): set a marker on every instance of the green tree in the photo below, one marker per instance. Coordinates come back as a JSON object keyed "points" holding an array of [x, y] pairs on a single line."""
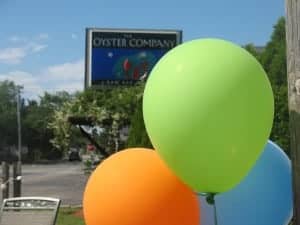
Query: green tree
{"points": [[8, 110], [36, 117], [109, 111], [273, 59], [138, 136], [253, 50]]}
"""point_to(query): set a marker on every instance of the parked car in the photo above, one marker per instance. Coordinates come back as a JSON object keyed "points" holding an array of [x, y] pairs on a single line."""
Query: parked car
{"points": [[74, 155]]}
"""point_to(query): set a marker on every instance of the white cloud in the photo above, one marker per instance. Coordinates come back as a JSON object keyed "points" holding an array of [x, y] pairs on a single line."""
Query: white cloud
{"points": [[74, 36], [22, 47], [71, 87], [65, 77], [34, 48], [17, 39], [12, 55], [32, 88], [67, 71], [42, 36], [15, 55], [62, 77]]}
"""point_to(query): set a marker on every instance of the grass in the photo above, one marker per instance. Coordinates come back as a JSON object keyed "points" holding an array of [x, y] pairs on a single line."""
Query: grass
{"points": [[66, 217]]}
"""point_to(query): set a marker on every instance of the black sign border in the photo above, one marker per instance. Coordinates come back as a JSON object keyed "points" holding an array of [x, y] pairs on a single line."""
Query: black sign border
{"points": [[88, 52]]}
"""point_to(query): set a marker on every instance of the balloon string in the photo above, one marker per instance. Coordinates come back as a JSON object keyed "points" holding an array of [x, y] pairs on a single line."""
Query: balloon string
{"points": [[215, 213], [210, 199]]}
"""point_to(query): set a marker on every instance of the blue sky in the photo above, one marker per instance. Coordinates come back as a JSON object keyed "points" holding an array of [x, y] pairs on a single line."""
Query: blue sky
{"points": [[42, 42]]}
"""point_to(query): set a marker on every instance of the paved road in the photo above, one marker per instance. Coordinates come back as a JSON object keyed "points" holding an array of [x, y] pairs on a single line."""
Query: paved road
{"points": [[65, 181]]}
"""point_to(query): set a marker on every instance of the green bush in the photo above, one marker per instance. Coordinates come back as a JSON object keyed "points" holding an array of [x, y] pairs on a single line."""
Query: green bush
{"points": [[138, 136]]}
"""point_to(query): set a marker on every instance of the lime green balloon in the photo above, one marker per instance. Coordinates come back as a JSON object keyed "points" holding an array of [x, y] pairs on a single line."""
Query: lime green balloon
{"points": [[208, 109]]}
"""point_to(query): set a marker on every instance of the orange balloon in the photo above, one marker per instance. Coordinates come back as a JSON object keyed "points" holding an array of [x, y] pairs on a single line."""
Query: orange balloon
{"points": [[135, 187]]}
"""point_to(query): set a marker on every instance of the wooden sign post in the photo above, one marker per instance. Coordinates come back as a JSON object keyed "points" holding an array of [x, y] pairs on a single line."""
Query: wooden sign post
{"points": [[5, 180], [293, 76]]}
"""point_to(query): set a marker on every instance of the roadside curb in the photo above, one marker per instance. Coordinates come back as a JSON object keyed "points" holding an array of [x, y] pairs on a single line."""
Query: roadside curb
{"points": [[47, 162]]}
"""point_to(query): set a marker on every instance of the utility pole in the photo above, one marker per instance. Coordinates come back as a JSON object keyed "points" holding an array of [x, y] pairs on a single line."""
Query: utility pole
{"points": [[17, 166], [293, 76]]}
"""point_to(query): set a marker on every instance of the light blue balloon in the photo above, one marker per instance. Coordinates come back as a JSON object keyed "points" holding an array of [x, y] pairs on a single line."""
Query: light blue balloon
{"points": [[264, 197]]}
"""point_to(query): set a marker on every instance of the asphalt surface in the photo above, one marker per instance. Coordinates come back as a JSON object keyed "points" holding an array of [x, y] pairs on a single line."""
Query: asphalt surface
{"points": [[64, 180]]}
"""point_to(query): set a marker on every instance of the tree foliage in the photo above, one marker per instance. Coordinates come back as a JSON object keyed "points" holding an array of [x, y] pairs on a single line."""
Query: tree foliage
{"points": [[8, 114], [274, 62], [109, 109], [251, 48], [138, 136], [273, 59], [36, 117]]}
